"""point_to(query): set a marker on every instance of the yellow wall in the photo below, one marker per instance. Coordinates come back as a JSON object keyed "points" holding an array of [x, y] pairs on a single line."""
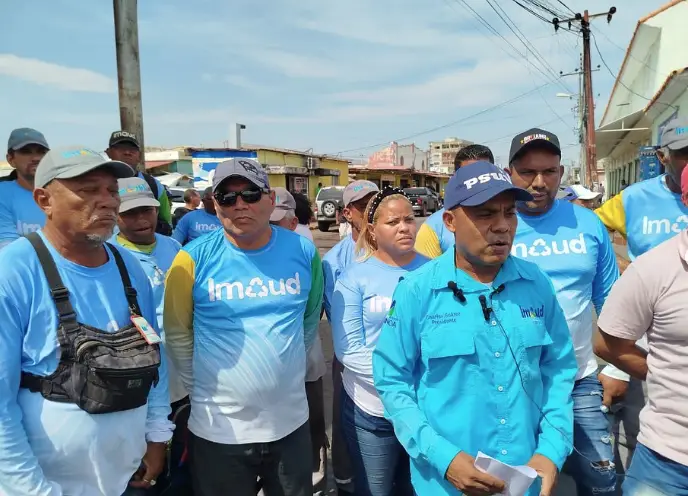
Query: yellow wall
{"points": [[277, 180]]}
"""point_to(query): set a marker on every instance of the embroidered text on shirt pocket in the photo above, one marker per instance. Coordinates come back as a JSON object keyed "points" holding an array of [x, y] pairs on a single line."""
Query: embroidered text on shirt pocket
{"points": [[450, 354]]}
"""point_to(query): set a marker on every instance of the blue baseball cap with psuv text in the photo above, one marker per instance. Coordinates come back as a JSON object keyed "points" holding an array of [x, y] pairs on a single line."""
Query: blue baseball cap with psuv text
{"points": [[477, 183]]}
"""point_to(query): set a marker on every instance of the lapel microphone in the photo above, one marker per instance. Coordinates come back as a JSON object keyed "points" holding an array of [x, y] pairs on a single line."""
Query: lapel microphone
{"points": [[483, 301], [458, 293]]}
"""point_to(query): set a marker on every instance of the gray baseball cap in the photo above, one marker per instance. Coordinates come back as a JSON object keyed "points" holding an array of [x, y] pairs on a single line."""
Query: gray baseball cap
{"points": [[248, 168], [284, 203], [675, 134], [358, 190], [74, 161], [134, 193], [19, 138]]}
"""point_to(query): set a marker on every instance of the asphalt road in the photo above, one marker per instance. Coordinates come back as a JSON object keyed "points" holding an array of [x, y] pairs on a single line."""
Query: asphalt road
{"points": [[324, 242]]}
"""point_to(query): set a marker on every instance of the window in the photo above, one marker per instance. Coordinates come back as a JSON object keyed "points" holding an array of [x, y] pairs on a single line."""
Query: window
{"points": [[401, 161]]}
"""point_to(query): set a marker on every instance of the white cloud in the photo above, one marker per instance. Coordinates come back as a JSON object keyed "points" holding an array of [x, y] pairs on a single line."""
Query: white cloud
{"points": [[59, 76]]}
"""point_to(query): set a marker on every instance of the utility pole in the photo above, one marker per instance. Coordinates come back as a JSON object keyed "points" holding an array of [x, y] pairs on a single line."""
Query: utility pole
{"points": [[129, 71], [588, 109]]}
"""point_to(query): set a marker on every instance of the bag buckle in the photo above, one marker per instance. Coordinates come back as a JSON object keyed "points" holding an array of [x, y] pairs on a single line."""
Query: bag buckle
{"points": [[59, 293]]}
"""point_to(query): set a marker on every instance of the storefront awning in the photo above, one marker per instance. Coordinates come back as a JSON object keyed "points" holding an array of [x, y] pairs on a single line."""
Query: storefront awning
{"points": [[610, 135]]}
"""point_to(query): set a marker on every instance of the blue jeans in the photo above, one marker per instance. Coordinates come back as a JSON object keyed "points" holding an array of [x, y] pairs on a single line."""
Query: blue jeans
{"points": [[652, 474], [592, 437], [380, 463]]}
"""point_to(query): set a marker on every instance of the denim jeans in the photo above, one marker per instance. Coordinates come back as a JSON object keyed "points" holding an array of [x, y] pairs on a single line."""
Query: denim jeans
{"points": [[380, 463], [283, 466], [627, 424], [652, 474], [592, 437]]}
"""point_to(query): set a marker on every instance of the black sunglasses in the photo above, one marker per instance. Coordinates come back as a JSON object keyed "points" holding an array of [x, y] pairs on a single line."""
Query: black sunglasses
{"points": [[229, 199]]}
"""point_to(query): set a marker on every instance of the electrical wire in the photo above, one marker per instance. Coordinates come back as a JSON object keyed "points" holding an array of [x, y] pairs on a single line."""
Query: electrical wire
{"points": [[511, 25], [491, 29], [616, 77], [529, 46], [449, 124]]}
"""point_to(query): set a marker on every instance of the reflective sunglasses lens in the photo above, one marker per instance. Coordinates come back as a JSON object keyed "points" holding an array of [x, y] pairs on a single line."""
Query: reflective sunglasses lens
{"points": [[251, 195]]}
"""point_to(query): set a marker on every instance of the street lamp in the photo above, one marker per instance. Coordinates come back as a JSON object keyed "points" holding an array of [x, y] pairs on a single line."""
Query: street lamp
{"points": [[566, 95]]}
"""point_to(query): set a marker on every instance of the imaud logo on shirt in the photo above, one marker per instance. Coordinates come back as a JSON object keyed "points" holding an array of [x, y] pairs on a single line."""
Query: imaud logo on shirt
{"points": [[25, 228], [542, 248], [532, 312], [256, 288], [664, 226], [201, 227], [486, 178]]}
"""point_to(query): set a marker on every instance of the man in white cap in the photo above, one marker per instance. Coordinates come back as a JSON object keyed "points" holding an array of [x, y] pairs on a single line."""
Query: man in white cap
{"points": [[356, 197], [78, 314], [284, 216], [580, 195], [242, 307], [19, 214]]}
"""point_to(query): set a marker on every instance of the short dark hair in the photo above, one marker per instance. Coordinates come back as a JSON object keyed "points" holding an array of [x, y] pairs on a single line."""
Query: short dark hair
{"points": [[303, 211], [189, 194], [473, 152]]}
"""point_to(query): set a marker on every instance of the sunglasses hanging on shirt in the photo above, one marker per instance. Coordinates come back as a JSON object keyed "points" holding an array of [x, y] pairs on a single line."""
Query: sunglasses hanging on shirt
{"points": [[381, 195]]}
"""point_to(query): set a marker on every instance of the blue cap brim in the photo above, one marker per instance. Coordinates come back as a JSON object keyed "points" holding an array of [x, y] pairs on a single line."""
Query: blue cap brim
{"points": [[487, 195]]}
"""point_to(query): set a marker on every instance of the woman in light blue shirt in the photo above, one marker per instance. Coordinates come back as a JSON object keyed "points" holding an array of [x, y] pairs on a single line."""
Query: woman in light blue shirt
{"points": [[362, 298]]}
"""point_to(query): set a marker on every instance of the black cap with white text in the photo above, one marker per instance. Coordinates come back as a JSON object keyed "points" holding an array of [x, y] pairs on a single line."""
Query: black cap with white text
{"points": [[533, 138]]}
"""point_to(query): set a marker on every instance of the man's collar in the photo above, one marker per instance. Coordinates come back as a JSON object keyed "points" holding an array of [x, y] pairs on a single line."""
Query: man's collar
{"points": [[446, 271]]}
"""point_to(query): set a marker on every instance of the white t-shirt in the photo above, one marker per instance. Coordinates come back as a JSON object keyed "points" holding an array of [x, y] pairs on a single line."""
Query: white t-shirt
{"points": [[304, 231]]}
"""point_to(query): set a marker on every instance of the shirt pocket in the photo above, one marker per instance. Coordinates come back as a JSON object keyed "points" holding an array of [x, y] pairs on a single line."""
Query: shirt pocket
{"points": [[534, 340], [450, 357]]}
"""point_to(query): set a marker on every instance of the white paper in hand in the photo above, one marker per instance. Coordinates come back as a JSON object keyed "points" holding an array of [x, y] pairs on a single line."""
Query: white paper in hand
{"points": [[517, 479]]}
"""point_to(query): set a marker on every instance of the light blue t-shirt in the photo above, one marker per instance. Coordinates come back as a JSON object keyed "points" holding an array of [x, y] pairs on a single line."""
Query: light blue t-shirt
{"points": [[334, 262], [449, 381], [195, 224], [19, 213], [48, 447], [572, 246], [362, 297], [238, 324]]}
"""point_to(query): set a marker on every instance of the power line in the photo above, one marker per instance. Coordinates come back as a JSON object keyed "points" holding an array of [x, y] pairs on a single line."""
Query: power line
{"points": [[529, 46], [523, 39], [450, 124], [616, 77], [492, 30]]}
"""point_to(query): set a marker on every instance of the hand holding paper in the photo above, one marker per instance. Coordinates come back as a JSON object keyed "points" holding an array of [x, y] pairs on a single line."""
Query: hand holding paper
{"points": [[517, 479]]}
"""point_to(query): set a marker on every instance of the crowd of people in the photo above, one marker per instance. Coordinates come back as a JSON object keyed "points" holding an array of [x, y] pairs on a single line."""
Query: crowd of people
{"points": [[147, 352]]}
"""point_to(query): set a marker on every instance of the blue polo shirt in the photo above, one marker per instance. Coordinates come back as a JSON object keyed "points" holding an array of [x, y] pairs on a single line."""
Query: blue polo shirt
{"points": [[452, 381], [195, 224], [334, 262], [19, 213], [433, 236]]}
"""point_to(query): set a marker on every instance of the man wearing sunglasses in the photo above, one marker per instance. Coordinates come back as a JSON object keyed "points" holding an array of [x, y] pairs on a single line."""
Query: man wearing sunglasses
{"points": [[198, 222], [242, 307]]}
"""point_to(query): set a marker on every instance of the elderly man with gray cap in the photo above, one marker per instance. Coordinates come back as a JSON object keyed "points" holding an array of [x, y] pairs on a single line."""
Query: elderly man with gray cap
{"points": [[356, 197], [242, 307], [19, 214], [84, 392]]}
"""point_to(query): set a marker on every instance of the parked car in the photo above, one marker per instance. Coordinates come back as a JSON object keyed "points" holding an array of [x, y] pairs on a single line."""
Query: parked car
{"points": [[327, 202], [424, 200]]}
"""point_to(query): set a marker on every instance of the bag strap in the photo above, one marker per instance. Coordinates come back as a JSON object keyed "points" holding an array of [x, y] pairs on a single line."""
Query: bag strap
{"points": [[151, 183], [129, 290], [58, 291]]}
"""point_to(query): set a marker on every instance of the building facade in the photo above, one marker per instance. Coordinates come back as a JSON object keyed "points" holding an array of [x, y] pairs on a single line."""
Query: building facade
{"points": [[442, 154], [297, 171], [650, 90], [396, 155]]}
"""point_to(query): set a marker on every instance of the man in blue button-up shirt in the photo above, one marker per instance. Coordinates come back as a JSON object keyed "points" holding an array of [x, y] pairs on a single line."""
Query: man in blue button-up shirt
{"points": [[475, 354]]}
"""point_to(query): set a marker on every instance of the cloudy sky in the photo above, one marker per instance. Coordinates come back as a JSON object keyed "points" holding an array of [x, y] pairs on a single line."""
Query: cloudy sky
{"points": [[337, 76]]}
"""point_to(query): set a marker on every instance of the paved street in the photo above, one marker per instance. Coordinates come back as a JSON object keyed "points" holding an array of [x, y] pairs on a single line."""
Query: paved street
{"points": [[325, 241]]}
